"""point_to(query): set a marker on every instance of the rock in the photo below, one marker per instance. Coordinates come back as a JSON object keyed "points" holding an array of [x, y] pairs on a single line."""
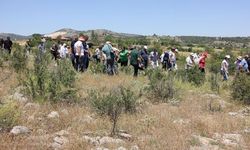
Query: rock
{"points": [[110, 140], [121, 148], [125, 136], [20, 130], [247, 130], [233, 113], [62, 133], [230, 140], [135, 147], [65, 112], [101, 148], [53, 114], [32, 106], [204, 143], [182, 121], [19, 98], [56, 146], [245, 111], [60, 140], [92, 140]]}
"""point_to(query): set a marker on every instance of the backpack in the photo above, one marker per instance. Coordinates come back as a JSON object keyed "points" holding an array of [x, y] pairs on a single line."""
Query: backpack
{"points": [[166, 57]]}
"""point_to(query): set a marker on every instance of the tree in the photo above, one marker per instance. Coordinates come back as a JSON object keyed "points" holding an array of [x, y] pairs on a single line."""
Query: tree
{"points": [[94, 38]]}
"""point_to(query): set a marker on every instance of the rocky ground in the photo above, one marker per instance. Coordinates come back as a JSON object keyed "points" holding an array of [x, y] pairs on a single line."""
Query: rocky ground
{"points": [[198, 121]]}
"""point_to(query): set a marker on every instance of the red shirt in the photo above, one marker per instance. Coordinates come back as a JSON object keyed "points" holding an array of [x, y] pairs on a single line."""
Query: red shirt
{"points": [[202, 62]]}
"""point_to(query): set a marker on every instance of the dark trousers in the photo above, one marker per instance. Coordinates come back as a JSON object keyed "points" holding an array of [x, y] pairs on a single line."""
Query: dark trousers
{"points": [[136, 68], [124, 63], [85, 62], [110, 66], [77, 63]]}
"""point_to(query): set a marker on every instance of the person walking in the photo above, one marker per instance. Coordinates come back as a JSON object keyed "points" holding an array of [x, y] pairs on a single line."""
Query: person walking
{"points": [[123, 57], [224, 68], [85, 58], [145, 56], [109, 57], [154, 56], [79, 53], [72, 51], [134, 61], [202, 62], [244, 64], [172, 59], [190, 61], [8, 45], [1, 43]]}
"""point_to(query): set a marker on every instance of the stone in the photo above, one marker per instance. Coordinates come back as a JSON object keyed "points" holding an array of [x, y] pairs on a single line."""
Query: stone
{"points": [[20, 130], [62, 133], [121, 148], [110, 140], [53, 114], [233, 113], [92, 140], [19, 98], [247, 130], [32, 106], [182, 121], [65, 112], [101, 148], [135, 147], [125, 136], [60, 140]]}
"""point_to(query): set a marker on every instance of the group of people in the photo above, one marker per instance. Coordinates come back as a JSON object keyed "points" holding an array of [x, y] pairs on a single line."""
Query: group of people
{"points": [[242, 64], [6, 44]]}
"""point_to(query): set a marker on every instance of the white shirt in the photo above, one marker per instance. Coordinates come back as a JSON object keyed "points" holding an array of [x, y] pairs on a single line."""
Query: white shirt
{"points": [[172, 56], [224, 65], [79, 51], [189, 62]]}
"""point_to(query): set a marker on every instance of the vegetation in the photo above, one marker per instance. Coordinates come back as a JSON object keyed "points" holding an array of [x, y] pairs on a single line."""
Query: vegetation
{"points": [[9, 115], [113, 103]]}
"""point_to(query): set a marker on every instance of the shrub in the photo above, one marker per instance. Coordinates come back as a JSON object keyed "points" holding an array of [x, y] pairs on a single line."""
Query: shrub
{"points": [[19, 58], [162, 85], [240, 88], [66, 73], [9, 115], [113, 103], [97, 68], [214, 82], [193, 75]]}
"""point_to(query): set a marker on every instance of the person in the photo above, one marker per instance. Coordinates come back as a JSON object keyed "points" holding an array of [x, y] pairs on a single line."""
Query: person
{"points": [[165, 60], [134, 60], [54, 51], [238, 64], [72, 52], [63, 51], [190, 61], [97, 55], [41, 47], [144, 55], [8, 45], [244, 64], [224, 68], [79, 53], [1, 43], [248, 61], [85, 58], [109, 57], [202, 62], [154, 59], [172, 58], [123, 57]]}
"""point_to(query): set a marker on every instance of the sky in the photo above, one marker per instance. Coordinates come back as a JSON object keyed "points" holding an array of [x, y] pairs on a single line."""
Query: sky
{"points": [[146, 17]]}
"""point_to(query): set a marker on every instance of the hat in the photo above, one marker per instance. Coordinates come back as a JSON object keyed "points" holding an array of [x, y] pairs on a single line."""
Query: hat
{"points": [[43, 40], [145, 47], [227, 56], [108, 42], [239, 58], [64, 44], [246, 56], [176, 50], [191, 54]]}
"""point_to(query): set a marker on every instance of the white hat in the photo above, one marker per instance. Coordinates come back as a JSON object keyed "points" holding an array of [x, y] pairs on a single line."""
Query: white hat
{"points": [[176, 50], [145, 47], [227, 56], [191, 54], [108, 42], [239, 58], [64, 44]]}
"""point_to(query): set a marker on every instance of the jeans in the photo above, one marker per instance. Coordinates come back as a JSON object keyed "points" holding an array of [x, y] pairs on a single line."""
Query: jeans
{"points": [[110, 67], [136, 68]]}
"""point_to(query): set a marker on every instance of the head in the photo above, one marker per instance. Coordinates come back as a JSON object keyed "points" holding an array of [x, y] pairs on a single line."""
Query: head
{"points": [[227, 57], [8, 38], [246, 56], [81, 38], [239, 58], [145, 47]]}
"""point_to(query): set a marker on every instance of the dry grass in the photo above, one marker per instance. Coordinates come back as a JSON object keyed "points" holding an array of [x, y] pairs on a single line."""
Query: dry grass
{"points": [[152, 128]]}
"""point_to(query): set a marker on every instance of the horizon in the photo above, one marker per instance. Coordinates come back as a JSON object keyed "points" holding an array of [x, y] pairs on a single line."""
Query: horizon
{"points": [[208, 18]]}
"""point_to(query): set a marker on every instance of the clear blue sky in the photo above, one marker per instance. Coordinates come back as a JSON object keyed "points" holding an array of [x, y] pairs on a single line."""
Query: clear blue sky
{"points": [[163, 17]]}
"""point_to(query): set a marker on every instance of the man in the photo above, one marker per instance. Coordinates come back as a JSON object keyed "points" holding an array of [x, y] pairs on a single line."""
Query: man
{"points": [[124, 57], [244, 64], [224, 68], [190, 61], [154, 59], [248, 61], [1, 43], [134, 61], [109, 55], [72, 55], [85, 58], [79, 53], [8, 45], [63, 51], [144, 55], [238, 64], [172, 58]]}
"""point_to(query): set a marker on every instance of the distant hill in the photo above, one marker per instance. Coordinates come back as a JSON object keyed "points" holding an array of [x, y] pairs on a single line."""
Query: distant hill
{"points": [[13, 36]]}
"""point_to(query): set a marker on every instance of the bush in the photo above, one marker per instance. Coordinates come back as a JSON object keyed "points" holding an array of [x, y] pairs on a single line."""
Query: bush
{"points": [[193, 75], [19, 58], [240, 88], [162, 86], [113, 103], [214, 82], [9, 115], [97, 68]]}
